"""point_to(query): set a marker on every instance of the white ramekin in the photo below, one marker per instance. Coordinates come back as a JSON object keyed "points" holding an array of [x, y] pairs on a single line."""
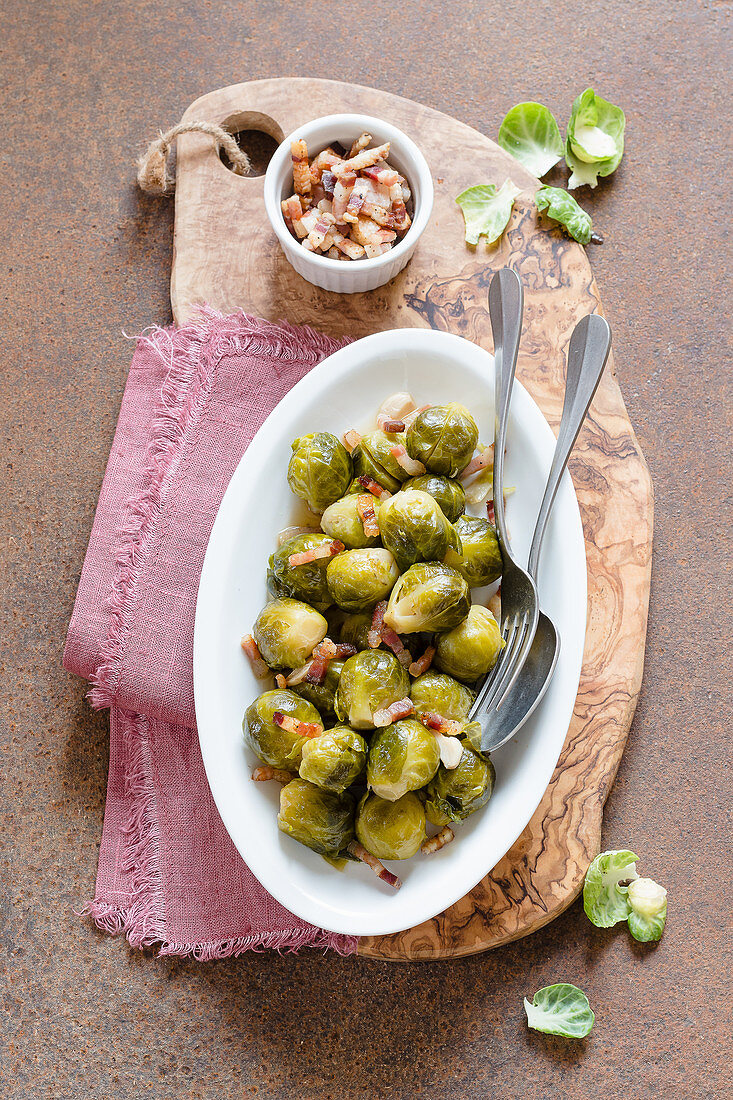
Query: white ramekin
{"points": [[352, 276]]}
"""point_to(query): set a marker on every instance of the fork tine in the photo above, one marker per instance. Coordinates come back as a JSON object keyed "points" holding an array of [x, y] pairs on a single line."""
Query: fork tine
{"points": [[502, 666], [493, 673], [498, 685], [503, 690]]}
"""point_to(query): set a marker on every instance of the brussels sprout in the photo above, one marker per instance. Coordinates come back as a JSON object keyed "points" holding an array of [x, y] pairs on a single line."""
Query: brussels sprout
{"points": [[355, 629], [342, 521], [358, 579], [648, 910], [390, 830], [436, 691], [560, 1009], [479, 561], [323, 696], [448, 492], [413, 527], [606, 887], [429, 596], [320, 469], [286, 632], [334, 760], [443, 438], [302, 582], [402, 757], [322, 820], [372, 456], [273, 744], [471, 648], [456, 794], [370, 681]]}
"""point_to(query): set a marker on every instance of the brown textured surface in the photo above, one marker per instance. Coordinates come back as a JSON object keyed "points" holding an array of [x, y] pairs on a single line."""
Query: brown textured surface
{"points": [[83, 256], [223, 255]]}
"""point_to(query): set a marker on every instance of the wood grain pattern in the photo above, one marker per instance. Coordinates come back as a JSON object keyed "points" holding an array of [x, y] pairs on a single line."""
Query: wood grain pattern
{"points": [[225, 254]]}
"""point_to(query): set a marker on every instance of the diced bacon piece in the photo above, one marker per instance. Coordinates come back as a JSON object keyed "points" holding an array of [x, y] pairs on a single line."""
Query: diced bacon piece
{"points": [[334, 254], [259, 667], [326, 550], [378, 214], [494, 605], [372, 250], [291, 532], [374, 487], [361, 143], [400, 217], [328, 241], [481, 461], [410, 418], [396, 407], [328, 181], [317, 670], [438, 724], [356, 201], [309, 221], [292, 209], [262, 775], [451, 751], [322, 162], [490, 513], [403, 708], [295, 725], [301, 168], [380, 173], [325, 206], [360, 853], [422, 664], [351, 439], [299, 229], [411, 466], [366, 231], [280, 680], [352, 249], [435, 843], [365, 159], [341, 194], [334, 651], [318, 195], [390, 426], [318, 234], [365, 508], [374, 637], [393, 641]]}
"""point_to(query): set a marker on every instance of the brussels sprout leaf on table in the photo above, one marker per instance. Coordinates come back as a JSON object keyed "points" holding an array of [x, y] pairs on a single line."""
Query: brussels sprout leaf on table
{"points": [[529, 132], [486, 211], [594, 144], [560, 1009], [562, 208]]}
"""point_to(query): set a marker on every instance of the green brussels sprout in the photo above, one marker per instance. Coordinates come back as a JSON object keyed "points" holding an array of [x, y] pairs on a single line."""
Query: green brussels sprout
{"points": [[342, 521], [323, 696], [320, 469], [358, 579], [370, 681], [429, 596], [414, 529], [443, 438], [648, 910], [471, 648], [455, 794], [479, 560], [302, 582], [402, 757], [287, 631], [273, 744], [334, 760], [442, 694], [448, 492], [322, 820], [355, 629], [372, 456], [390, 830]]}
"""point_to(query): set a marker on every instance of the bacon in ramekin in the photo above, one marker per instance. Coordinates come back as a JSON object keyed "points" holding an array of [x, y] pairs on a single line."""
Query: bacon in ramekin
{"points": [[361, 142], [367, 515], [374, 487], [381, 173], [438, 724], [264, 774], [422, 664], [374, 637], [328, 182], [351, 439], [318, 234], [363, 160], [411, 466], [356, 201], [301, 168], [359, 852], [385, 716], [342, 193], [484, 458], [295, 725], [393, 641], [325, 550], [367, 232], [259, 667], [352, 249], [371, 250], [400, 217], [451, 751], [321, 163], [435, 843]]}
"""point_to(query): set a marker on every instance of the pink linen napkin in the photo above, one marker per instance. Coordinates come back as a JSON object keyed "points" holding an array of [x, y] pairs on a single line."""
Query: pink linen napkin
{"points": [[168, 873]]}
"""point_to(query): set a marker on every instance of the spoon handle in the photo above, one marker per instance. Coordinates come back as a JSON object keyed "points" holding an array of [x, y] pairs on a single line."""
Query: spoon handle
{"points": [[506, 304], [587, 355]]}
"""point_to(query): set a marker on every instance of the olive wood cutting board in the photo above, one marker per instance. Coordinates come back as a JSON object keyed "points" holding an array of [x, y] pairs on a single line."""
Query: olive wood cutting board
{"points": [[226, 254]]}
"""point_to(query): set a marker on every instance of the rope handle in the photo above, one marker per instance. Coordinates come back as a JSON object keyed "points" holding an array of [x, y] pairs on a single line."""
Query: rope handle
{"points": [[152, 167]]}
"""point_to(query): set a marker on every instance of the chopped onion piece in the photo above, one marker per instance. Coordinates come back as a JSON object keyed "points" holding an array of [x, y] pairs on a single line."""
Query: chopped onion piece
{"points": [[451, 751], [351, 439], [290, 533]]}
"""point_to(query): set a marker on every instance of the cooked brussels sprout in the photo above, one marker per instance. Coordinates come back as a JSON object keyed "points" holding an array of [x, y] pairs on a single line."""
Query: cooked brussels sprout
{"points": [[342, 521], [390, 830], [302, 582], [323, 696], [402, 757], [443, 438], [334, 760], [372, 456], [273, 744], [413, 527], [355, 629], [648, 910], [322, 820], [479, 560], [369, 682], [606, 887], [320, 469], [455, 794], [448, 492], [358, 579], [436, 691], [429, 596], [286, 632], [471, 648]]}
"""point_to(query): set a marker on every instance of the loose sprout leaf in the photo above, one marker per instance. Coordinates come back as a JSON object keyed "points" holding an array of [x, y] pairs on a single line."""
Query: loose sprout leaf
{"points": [[486, 211], [605, 897], [560, 1009], [563, 208], [529, 132], [648, 910], [594, 144]]}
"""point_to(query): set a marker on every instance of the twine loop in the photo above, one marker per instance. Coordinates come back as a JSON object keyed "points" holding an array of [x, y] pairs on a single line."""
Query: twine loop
{"points": [[152, 167]]}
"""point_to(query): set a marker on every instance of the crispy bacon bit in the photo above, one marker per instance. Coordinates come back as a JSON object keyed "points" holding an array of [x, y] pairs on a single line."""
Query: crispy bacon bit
{"points": [[393, 641], [411, 416], [290, 533], [367, 232], [333, 651], [341, 194], [379, 869], [352, 249], [317, 670], [280, 680], [422, 664], [388, 425], [294, 725], [319, 233], [328, 182], [400, 217], [365, 159], [301, 168], [365, 508], [356, 200], [361, 143], [326, 550], [262, 775], [410, 465], [438, 724], [451, 751], [374, 637], [480, 461], [371, 250], [292, 211], [351, 439], [374, 487], [435, 843], [322, 163], [403, 708], [381, 173], [249, 645]]}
